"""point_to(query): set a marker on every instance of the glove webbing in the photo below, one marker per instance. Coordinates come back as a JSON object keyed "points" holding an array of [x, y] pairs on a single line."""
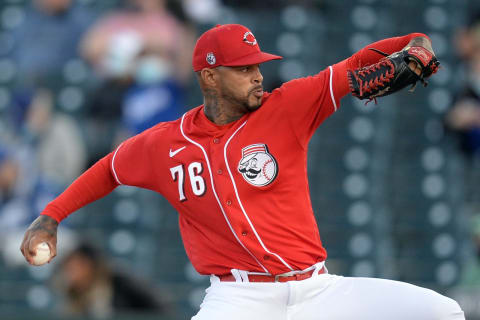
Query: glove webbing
{"points": [[385, 71]]}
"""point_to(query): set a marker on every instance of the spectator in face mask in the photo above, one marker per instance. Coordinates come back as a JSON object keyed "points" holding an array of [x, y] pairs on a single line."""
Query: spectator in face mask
{"points": [[139, 91], [155, 95]]}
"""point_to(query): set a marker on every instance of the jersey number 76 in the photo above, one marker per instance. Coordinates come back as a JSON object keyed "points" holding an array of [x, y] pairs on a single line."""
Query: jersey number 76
{"points": [[196, 181]]}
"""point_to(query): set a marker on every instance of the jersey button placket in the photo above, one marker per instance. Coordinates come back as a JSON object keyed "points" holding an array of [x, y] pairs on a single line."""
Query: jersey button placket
{"points": [[219, 171], [216, 140], [229, 202]]}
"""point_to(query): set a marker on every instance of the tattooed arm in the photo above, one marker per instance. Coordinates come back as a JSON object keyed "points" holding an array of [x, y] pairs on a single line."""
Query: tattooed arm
{"points": [[43, 229]]}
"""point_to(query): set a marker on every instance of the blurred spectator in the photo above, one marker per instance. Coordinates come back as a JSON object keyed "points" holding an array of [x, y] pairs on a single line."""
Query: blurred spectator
{"points": [[158, 29], [48, 37], [465, 37], [52, 138], [89, 286], [464, 116], [154, 96]]}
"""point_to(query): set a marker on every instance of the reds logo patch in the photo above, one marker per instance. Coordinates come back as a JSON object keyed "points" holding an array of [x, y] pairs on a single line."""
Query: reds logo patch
{"points": [[257, 166], [249, 38]]}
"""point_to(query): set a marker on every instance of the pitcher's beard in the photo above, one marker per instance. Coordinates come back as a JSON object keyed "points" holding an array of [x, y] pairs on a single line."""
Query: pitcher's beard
{"points": [[257, 102], [248, 104]]}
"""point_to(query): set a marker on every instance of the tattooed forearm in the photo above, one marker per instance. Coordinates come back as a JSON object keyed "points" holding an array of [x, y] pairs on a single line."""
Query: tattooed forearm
{"points": [[45, 224], [421, 42]]}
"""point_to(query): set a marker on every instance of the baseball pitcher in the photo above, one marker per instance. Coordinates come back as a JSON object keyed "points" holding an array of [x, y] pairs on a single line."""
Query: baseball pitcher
{"points": [[235, 169]]}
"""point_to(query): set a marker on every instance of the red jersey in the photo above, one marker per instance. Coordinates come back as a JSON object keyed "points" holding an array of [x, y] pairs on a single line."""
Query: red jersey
{"points": [[241, 189]]}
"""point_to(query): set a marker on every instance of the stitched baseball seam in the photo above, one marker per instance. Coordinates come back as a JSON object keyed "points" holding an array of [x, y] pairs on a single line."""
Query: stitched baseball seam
{"points": [[264, 170]]}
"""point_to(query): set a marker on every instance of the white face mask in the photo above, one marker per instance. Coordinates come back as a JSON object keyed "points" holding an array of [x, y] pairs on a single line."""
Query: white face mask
{"points": [[152, 69], [121, 52]]}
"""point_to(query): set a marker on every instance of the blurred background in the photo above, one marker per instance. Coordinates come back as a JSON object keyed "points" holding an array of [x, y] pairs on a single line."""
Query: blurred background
{"points": [[394, 186]]}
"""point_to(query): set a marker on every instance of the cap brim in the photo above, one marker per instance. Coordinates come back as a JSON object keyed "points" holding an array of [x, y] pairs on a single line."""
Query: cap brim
{"points": [[255, 58]]}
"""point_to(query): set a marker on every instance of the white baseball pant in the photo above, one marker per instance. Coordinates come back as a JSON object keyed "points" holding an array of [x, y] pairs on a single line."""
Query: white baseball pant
{"points": [[325, 296]]}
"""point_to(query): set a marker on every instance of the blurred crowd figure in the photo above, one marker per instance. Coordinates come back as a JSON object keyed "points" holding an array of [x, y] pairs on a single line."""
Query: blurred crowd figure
{"points": [[48, 38], [53, 137], [87, 284], [464, 116]]}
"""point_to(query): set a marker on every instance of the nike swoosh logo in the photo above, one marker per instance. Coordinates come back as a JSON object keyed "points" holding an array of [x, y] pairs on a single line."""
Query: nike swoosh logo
{"points": [[173, 153]]}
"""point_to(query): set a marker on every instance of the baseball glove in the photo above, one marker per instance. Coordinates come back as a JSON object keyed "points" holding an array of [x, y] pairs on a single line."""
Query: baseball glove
{"points": [[392, 73]]}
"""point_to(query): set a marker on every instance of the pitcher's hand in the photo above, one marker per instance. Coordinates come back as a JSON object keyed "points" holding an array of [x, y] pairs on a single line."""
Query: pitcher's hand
{"points": [[43, 229]]}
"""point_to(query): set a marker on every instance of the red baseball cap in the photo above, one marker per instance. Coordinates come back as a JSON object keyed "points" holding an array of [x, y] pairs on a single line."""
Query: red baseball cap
{"points": [[228, 45]]}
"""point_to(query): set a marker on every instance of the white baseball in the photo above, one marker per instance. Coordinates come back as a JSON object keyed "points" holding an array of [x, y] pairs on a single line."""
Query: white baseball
{"points": [[42, 254]]}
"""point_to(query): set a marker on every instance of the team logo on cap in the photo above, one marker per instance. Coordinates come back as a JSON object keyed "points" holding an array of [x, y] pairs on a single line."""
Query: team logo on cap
{"points": [[249, 38], [257, 166], [211, 58]]}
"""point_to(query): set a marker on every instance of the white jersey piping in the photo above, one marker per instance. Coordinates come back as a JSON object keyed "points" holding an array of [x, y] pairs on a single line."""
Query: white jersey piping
{"points": [[113, 166], [215, 193], [240, 202], [331, 88]]}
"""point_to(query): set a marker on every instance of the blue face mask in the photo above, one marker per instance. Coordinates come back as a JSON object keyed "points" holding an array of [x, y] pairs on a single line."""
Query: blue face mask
{"points": [[152, 69]]}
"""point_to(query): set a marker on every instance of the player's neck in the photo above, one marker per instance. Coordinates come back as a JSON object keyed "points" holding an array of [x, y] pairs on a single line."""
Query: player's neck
{"points": [[220, 111]]}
